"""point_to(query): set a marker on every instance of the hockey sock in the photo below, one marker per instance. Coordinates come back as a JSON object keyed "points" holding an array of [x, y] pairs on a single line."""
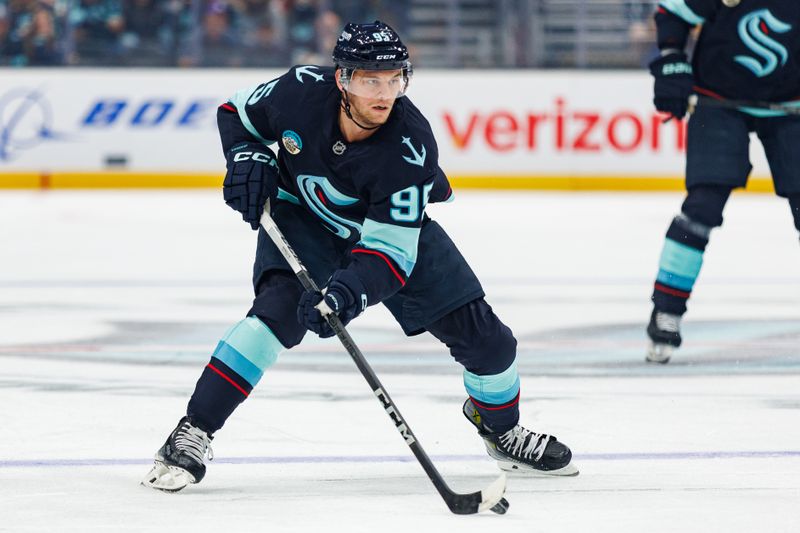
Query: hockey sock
{"points": [[239, 361], [496, 397], [679, 266]]}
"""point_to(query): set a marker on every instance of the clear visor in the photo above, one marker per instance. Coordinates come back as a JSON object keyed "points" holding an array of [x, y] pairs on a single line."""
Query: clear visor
{"points": [[376, 84]]}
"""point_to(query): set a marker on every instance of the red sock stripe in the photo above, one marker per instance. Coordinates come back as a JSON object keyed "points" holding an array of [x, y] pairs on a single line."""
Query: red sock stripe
{"points": [[512, 403], [672, 292], [382, 256], [229, 380], [228, 107]]}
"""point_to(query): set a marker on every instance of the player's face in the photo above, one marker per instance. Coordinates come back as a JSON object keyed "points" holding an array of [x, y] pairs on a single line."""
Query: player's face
{"points": [[372, 94]]}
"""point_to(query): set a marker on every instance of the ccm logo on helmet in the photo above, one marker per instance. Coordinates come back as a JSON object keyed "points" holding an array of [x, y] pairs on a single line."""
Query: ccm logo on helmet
{"points": [[255, 156], [386, 57]]}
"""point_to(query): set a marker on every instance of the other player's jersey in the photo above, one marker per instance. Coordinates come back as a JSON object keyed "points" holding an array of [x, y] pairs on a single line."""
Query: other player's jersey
{"points": [[747, 52], [371, 193]]}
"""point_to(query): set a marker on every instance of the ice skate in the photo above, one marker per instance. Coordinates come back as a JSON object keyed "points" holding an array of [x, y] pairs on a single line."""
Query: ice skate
{"points": [[523, 451], [665, 336], [179, 462]]}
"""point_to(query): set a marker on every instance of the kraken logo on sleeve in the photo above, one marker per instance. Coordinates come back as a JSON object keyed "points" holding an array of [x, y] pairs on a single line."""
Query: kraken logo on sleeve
{"points": [[753, 30]]}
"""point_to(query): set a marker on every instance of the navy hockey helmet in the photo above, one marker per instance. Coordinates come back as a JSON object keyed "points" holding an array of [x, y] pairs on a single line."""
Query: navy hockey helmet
{"points": [[373, 46]]}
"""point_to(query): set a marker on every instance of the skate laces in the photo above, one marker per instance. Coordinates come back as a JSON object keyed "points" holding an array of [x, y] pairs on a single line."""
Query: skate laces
{"points": [[668, 322], [194, 442], [524, 443]]}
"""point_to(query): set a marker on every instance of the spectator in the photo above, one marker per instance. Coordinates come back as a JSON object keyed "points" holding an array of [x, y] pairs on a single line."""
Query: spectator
{"points": [[141, 40], [328, 26], [28, 33], [302, 38], [264, 48], [221, 46], [97, 27]]}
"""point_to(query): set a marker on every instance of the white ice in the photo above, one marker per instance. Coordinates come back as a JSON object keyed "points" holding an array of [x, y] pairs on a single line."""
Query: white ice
{"points": [[111, 302]]}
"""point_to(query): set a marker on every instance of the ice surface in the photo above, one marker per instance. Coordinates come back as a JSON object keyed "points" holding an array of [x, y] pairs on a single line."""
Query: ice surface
{"points": [[110, 303]]}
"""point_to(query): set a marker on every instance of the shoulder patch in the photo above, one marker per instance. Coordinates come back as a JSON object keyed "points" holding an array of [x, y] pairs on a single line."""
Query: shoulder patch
{"points": [[292, 142]]}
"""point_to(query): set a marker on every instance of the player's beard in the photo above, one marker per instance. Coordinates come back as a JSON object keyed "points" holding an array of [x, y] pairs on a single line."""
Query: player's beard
{"points": [[364, 114]]}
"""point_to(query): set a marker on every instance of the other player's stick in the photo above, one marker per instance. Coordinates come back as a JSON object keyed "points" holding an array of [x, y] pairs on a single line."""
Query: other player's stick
{"points": [[489, 498], [707, 101]]}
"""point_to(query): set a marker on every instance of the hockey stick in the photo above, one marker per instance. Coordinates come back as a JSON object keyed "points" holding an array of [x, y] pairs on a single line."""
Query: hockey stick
{"points": [[489, 498], [707, 101]]}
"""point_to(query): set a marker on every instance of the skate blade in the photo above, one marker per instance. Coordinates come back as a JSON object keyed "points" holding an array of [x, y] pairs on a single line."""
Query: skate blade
{"points": [[167, 478], [517, 468], [659, 353]]}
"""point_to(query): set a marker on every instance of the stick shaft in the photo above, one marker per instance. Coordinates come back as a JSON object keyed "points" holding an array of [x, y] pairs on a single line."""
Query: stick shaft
{"points": [[377, 387]]}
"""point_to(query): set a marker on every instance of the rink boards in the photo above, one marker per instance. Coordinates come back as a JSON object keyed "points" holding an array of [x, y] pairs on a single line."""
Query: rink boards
{"points": [[559, 130]]}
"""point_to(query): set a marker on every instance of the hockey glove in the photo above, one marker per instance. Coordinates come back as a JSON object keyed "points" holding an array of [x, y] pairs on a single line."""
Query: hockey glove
{"points": [[252, 177], [345, 295], [673, 83]]}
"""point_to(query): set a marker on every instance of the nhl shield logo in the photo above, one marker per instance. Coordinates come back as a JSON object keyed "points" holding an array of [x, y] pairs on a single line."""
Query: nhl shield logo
{"points": [[292, 142], [339, 148]]}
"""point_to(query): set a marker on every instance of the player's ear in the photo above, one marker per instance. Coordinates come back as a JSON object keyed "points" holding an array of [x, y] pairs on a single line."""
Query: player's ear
{"points": [[338, 76]]}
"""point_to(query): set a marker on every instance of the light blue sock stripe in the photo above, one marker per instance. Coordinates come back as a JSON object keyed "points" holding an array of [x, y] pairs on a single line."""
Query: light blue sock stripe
{"points": [[495, 389], [239, 363], [673, 280], [680, 260], [249, 348]]}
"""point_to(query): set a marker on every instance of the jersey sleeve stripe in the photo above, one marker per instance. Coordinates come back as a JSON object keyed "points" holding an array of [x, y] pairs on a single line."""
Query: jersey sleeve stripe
{"points": [[679, 8], [386, 259], [228, 107], [239, 101], [398, 242]]}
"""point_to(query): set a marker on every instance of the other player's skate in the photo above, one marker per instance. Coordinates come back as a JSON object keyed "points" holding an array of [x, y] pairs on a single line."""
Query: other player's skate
{"points": [[180, 460], [665, 336], [521, 450]]}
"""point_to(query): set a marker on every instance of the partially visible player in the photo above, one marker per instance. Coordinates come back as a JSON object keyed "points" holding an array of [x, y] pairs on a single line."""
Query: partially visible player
{"points": [[747, 50], [357, 164]]}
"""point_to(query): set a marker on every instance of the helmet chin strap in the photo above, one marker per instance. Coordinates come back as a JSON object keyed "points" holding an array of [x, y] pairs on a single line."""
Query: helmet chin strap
{"points": [[346, 106]]}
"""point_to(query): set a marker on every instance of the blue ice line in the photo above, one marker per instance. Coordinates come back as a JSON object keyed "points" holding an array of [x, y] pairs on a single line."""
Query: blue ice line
{"points": [[635, 456]]}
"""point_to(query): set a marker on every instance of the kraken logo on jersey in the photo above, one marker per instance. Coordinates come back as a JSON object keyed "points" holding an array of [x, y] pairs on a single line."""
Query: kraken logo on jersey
{"points": [[753, 29], [418, 157], [317, 191]]}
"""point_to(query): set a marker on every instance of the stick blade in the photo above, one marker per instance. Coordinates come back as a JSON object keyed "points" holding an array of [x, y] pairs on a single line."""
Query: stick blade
{"points": [[492, 497]]}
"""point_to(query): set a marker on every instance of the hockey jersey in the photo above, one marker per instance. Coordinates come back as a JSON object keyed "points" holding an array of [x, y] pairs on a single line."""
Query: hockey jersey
{"points": [[371, 193], [750, 51]]}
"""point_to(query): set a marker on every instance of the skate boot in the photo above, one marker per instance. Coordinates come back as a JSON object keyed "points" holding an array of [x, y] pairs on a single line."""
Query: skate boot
{"points": [[664, 331], [521, 450], [180, 460]]}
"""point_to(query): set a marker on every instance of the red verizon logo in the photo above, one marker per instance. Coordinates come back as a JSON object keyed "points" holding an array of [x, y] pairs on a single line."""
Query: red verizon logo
{"points": [[565, 129]]}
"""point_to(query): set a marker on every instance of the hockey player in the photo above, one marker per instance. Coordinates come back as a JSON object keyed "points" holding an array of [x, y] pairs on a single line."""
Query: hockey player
{"points": [[356, 166], [748, 50]]}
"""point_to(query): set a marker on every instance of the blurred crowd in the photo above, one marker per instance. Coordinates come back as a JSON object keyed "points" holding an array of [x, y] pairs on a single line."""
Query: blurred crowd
{"points": [[185, 33]]}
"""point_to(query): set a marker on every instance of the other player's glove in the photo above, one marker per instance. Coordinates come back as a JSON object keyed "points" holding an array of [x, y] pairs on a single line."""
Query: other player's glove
{"points": [[345, 295], [252, 177], [673, 83]]}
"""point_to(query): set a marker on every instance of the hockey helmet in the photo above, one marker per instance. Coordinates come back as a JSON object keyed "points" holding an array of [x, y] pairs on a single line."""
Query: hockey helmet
{"points": [[374, 46]]}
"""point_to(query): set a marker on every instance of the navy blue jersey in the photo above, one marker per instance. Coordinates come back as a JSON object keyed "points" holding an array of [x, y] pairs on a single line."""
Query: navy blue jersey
{"points": [[371, 193], [747, 52]]}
